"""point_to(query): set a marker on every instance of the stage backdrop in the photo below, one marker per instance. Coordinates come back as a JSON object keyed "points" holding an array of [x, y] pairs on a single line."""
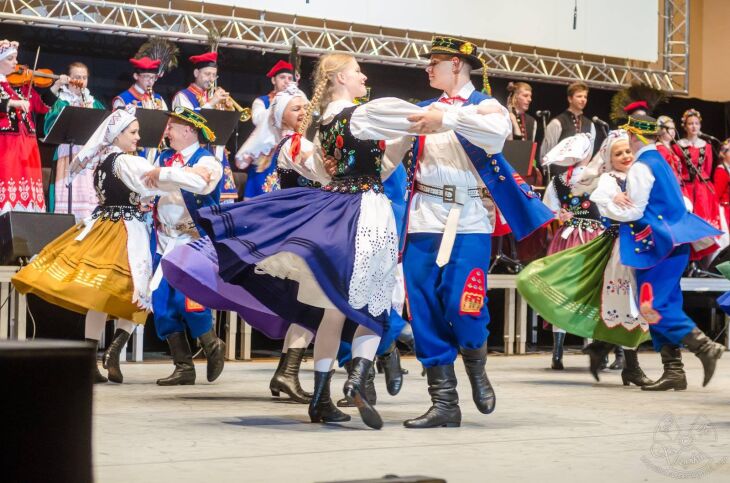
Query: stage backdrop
{"points": [[585, 26]]}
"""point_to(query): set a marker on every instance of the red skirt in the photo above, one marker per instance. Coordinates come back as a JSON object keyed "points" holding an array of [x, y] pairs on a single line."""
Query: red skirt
{"points": [[21, 182]]}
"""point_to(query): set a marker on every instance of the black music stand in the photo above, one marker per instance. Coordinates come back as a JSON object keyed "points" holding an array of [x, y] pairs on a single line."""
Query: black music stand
{"points": [[74, 126], [152, 124], [521, 155], [222, 123]]}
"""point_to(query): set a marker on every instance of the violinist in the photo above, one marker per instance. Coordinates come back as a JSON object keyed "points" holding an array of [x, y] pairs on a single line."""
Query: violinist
{"points": [[204, 93], [74, 93], [21, 183]]}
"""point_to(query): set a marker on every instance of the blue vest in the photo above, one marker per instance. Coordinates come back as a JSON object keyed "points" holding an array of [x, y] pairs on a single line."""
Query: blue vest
{"points": [[666, 223], [193, 202], [192, 98], [265, 100], [128, 98], [517, 201]]}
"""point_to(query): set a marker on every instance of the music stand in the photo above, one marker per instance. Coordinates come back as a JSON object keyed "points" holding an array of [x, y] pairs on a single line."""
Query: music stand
{"points": [[222, 123], [152, 124], [74, 126], [520, 155]]}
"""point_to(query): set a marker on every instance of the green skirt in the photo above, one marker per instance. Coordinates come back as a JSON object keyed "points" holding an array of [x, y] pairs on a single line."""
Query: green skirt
{"points": [[566, 289]]}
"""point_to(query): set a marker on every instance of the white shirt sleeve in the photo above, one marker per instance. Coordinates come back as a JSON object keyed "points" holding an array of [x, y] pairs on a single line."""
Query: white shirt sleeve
{"points": [[179, 177], [639, 182], [552, 134], [551, 198], [604, 193], [488, 131], [395, 150], [118, 103], [593, 137], [163, 104], [310, 166], [259, 113], [182, 100], [129, 169], [384, 118]]}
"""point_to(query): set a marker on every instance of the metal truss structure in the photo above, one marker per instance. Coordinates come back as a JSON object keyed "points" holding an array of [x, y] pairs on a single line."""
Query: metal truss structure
{"points": [[247, 31]]}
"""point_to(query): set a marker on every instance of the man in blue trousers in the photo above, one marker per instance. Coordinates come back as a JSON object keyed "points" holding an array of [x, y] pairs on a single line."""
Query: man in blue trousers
{"points": [[457, 175], [655, 237]]}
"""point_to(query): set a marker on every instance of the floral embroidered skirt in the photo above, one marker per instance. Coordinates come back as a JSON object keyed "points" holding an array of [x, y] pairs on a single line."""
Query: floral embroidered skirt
{"points": [[586, 291], [90, 274]]}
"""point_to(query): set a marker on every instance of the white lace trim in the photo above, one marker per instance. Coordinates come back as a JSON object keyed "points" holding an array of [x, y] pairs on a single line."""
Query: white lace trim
{"points": [[376, 256], [140, 262]]}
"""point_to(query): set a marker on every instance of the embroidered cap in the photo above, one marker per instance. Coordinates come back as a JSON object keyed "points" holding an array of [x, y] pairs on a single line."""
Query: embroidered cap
{"points": [[641, 126], [460, 48], [194, 119]]}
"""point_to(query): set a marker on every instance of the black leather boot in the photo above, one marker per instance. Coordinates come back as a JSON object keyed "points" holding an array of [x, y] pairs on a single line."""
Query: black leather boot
{"points": [[344, 403], [707, 350], [673, 376], [558, 341], [475, 363], [444, 410], [355, 391], [597, 352], [215, 352], [182, 356], [390, 362], [632, 372], [98, 377], [618, 362], [370, 393], [286, 377], [110, 360], [321, 409]]}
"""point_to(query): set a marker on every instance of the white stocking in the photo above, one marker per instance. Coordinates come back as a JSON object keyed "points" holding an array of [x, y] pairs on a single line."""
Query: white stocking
{"points": [[126, 325], [558, 330], [365, 343], [328, 338], [297, 337], [94, 325]]}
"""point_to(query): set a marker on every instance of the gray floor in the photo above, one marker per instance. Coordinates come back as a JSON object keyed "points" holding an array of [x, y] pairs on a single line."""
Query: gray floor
{"points": [[548, 426]]}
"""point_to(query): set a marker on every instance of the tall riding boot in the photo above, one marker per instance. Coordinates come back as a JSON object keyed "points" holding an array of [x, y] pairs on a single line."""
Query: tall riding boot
{"points": [[98, 377], [707, 350], [182, 356], [110, 360], [632, 372], [393, 371], [215, 352], [558, 341], [618, 362], [321, 409], [673, 376], [355, 391], [475, 363], [597, 352], [406, 337], [286, 377], [444, 410]]}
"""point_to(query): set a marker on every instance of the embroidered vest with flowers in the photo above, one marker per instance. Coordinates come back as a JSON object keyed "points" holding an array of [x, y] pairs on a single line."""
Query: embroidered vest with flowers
{"points": [[358, 161], [585, 212]]}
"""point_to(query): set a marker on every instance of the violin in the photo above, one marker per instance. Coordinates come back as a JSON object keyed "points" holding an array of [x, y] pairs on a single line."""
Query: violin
{"points": [[41, 78]]}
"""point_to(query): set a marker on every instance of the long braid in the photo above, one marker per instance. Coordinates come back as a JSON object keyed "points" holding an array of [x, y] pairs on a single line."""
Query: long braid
{"points": [[319, 88], [327, 67]]}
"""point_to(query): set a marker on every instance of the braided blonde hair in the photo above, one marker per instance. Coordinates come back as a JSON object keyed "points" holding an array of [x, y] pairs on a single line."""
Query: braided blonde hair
{"points": [[327, 67]]}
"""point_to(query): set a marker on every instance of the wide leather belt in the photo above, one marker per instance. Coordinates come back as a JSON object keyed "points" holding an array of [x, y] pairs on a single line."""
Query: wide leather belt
{"points": [[451, 193]]}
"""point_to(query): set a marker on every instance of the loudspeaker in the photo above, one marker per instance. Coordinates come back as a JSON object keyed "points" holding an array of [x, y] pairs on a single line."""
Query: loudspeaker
{"points": [[46, 408], [23, 234]]}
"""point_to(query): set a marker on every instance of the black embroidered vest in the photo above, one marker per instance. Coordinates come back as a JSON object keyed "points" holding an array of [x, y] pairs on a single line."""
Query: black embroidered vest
{"points": [[358, 161], [116, 200]]}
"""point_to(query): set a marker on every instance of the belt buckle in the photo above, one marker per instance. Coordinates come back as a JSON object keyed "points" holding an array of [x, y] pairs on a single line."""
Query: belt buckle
{"points": [[449, 193]]}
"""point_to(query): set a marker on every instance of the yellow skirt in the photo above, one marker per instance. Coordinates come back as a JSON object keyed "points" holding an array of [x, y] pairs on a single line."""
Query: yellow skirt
{"points": [[91, 274]]}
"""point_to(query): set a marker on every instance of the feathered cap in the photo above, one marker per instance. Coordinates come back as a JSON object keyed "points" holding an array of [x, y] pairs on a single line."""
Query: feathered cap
{"points": [[637, 97]]}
